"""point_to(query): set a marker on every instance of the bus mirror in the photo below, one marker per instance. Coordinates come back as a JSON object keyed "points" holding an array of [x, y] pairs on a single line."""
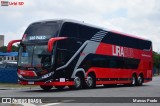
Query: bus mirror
{"points": [[52, 41], [9, 46]]}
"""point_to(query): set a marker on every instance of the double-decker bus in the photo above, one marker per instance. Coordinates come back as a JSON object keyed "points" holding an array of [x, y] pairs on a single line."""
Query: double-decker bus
{"points": [[70, 53]]}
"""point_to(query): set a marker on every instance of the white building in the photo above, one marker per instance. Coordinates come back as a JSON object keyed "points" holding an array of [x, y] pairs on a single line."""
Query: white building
{"points": [[8, 57]]}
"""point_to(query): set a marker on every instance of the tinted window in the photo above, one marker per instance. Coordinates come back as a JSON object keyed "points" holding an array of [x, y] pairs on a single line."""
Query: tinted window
{"points": [[69, 30], [74, 41], [121, 40], [87, 32], [110, 62], [63, 56], [78, 31]]}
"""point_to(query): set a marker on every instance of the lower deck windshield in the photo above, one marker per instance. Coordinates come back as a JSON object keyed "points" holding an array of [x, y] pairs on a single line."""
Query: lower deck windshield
{"points": [[34, 56]]}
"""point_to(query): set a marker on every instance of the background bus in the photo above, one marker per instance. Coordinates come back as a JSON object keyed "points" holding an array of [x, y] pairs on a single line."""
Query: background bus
{"points": [[70, 53]]}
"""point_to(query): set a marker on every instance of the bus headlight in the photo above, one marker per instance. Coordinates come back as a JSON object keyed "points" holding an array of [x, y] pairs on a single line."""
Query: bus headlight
{"points": [[19, 75]]}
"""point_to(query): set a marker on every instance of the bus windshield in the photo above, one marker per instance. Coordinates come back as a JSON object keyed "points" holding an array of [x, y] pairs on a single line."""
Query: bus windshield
{"points": [[34, 56]]}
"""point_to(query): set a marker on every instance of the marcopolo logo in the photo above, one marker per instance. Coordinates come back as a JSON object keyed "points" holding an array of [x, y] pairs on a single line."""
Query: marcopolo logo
{"points": [[12, 3]]}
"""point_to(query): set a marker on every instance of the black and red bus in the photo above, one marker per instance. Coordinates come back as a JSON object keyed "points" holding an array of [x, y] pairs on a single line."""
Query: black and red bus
{"points": [[69, 53]]}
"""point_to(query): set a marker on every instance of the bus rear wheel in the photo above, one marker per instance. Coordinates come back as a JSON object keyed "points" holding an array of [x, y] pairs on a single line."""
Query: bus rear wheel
{"points": [[133, 80], [90, 81], [140, 80], [46, 88]]}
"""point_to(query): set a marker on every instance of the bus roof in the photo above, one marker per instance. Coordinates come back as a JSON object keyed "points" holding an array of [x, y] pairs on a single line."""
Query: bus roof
{"points": [[90, 25], [129, 35]]}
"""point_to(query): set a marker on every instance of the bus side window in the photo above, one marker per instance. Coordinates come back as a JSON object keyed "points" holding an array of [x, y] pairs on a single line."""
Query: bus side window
{"points": [[113, 64], [87, 32], [62, 57], [69, 30]]}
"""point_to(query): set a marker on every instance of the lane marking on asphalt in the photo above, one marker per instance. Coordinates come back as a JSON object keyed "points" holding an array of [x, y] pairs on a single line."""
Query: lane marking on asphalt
{"points": [[29, 104]]}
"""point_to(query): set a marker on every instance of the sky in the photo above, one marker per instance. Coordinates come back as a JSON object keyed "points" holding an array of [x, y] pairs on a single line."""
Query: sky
{"points": [[135, 17]]}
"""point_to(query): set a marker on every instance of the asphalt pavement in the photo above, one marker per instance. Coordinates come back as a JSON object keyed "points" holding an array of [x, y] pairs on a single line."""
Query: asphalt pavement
{"points": [[150, 89]]}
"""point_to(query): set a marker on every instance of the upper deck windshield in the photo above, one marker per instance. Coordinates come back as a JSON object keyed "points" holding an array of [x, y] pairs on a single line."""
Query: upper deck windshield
{"points": [[41, 31]]}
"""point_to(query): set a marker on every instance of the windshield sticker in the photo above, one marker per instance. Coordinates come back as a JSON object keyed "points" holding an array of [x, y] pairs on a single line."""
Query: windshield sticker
{"points": [[24, 54]]}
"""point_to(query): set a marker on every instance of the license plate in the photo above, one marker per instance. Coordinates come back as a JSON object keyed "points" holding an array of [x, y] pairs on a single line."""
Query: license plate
{"points": [[62, 79], [31, 83]]}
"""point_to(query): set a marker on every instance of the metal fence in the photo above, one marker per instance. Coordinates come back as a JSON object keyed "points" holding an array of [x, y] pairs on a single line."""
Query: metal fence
{"points": [[8, 75]]}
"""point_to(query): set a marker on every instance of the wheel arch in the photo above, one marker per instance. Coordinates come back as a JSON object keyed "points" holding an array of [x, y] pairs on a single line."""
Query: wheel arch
{"points": [[91, 72], [81, 71], [134, 73], [141, 74]]}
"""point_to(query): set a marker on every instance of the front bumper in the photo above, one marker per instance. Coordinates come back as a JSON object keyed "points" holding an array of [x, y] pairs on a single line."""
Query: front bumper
{"points": [[54, 83]]}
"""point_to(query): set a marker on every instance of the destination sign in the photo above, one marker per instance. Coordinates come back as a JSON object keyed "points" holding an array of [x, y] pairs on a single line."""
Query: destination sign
{"points": [[37, 37]]}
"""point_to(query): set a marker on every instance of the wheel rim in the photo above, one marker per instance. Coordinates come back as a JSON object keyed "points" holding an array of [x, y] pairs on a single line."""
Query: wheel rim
{"points": [[139, 79], [133, 80], [89, 81], [77, 82]]}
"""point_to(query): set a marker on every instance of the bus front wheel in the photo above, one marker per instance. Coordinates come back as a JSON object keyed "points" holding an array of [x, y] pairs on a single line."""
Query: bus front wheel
{"points": [[78, 82], [46, 88]]}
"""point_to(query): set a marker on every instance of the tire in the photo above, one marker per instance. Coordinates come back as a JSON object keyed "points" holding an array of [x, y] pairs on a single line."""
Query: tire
{"points": [[134, 80], [91, 81], [140, 80], [78, 82], [46, 88], [59, 87]]}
